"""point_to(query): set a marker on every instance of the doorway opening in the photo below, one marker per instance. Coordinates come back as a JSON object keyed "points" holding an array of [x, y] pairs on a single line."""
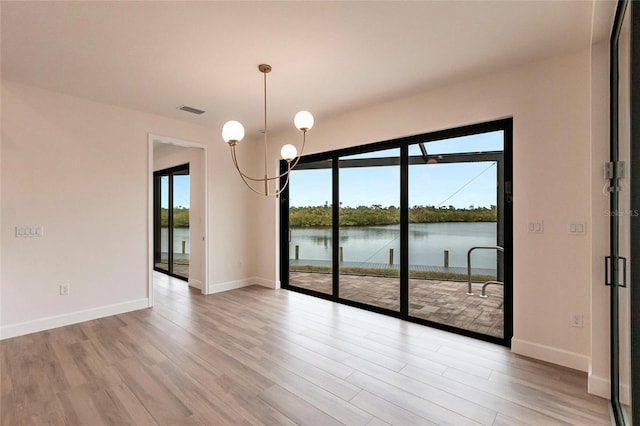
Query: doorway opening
{"points": [[417, 228], [181, 168]]}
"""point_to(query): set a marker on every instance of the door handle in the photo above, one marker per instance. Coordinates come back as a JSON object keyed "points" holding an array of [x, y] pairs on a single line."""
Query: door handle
{"points": [[608, 271]]}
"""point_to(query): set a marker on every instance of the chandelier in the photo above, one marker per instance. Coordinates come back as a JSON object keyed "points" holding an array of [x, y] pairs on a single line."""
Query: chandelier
{"points": [[233, 132]]}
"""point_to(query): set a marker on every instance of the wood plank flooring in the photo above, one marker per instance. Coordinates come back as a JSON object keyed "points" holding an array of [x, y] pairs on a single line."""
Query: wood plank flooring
{"points": [[256, 356]]}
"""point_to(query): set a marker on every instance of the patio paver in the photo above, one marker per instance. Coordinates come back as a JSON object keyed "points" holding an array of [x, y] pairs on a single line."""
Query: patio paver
{"points": [[444, 302]]}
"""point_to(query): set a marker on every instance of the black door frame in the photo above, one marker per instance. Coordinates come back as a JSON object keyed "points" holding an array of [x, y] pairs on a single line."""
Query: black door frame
{"points": [[633, 13], [504, 197], [635, 208], [157, 232]]}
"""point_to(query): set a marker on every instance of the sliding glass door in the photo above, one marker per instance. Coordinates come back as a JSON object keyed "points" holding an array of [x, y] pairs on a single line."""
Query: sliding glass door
{"points": [[171, 221], [456, 238], [391, 227], [309, 227], [369, 229], [623, 274]]}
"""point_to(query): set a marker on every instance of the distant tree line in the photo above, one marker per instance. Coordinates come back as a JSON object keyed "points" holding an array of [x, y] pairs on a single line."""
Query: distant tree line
{"points": [[431, 214], [180, 217], [376, 215]]}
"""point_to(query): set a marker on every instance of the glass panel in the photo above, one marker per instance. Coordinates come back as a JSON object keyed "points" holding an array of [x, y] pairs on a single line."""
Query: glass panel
{"points": [[625, 213], [369, 247], [452, 208], [481, 142], [181, 198], [310, 195], [162, 251]]}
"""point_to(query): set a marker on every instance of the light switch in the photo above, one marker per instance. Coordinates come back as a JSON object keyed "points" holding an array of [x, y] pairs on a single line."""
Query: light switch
{"points": [[29, 231], [578, 228], [536, 227]]}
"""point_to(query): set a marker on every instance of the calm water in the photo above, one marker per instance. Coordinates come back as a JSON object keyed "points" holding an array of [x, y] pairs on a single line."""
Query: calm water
{"points": [[427, 242], [179, 235]]}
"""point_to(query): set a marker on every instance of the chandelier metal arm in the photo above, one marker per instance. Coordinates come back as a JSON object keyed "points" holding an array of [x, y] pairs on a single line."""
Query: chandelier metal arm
{"points": [[262, 179], [253, 189], [235, 163], [304, 140], [286, 182], [266, 191], [244, 177]]}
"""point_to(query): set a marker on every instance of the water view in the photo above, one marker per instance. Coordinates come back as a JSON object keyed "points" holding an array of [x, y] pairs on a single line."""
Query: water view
{"points": [[180, 242], [427, 243]]}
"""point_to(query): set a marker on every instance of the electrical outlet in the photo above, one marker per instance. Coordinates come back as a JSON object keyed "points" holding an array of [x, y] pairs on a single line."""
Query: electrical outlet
{"points": [[577, 320], [64, 289]]}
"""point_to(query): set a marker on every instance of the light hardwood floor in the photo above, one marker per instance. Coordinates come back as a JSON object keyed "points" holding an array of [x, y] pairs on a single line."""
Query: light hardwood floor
{"points": [[259, 356]]}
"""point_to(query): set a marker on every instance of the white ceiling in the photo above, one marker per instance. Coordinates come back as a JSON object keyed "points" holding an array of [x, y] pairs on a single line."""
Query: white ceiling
{"points": [[327, 57]]}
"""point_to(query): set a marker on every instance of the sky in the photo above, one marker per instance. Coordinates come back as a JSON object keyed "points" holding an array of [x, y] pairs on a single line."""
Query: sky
{"points": [[181, 194], [458, 184]]}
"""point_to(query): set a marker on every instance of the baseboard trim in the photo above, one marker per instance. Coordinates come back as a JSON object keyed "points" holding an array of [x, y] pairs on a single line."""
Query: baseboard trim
{"points": [[42, 324], [601, 386], [267, 283], [232, 285], [229, 285], [550, 354], [195, 283]]}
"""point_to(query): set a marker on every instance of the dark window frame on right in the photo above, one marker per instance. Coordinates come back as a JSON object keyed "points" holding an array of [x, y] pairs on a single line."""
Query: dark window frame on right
{"points": [[333, 160]]}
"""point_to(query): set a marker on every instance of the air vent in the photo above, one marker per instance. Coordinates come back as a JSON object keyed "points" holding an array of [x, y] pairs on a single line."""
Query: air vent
{"points": [[191, 109]]}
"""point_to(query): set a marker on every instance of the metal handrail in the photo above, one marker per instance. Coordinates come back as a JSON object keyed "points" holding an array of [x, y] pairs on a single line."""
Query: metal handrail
{"points": [[470, 291], [484, 287]]}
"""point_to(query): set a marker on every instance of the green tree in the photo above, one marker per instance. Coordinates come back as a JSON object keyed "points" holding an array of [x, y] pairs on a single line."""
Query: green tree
{"points": [[180, 217], [377, 215]]}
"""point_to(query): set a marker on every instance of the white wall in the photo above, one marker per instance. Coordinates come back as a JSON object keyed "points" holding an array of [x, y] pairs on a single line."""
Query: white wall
{"points": [[550, 104], [80, 169], [599, 371]]}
